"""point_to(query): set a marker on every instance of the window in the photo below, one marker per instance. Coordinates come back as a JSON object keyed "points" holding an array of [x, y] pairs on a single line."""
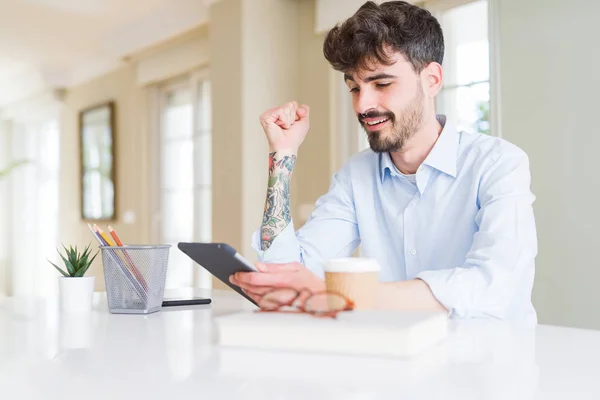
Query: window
{"points": [[30, 206], [185, 175], [349, 135], [465, 96]]}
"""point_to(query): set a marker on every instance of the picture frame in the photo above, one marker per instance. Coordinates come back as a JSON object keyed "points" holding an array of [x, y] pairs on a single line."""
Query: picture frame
{"points": [[97, 157]]}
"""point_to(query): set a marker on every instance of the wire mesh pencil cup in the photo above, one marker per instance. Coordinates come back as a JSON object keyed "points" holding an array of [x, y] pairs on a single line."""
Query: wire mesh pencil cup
{"points": [[135, 277]]}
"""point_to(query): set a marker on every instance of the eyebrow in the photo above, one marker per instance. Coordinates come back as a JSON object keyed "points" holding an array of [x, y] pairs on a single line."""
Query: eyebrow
{"points": [[370, 78]]}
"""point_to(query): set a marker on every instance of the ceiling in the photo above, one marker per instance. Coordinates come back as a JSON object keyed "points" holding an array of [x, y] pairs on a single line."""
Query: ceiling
{"points": [[57, 43]]}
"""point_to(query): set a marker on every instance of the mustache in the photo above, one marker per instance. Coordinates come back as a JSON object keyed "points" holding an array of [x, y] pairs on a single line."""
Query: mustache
{"points": [[376, 114]]}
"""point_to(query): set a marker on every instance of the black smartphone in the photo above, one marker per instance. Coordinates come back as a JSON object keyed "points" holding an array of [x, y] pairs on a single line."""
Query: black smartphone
{"points": [[186, 302]]}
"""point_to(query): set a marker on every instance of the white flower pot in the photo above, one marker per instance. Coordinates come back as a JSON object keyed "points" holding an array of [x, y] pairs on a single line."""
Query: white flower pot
{"points": [[76, 294]]}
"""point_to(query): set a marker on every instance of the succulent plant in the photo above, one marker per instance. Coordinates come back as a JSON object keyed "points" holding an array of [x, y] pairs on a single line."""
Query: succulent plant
{"points": [[77, 263]]}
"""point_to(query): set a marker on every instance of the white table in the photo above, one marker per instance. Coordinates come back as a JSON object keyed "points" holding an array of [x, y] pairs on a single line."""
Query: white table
{"points": [[172, 355]]}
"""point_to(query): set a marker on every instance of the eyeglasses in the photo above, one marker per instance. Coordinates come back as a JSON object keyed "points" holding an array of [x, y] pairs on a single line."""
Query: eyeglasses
{"points": [[319, 304]]}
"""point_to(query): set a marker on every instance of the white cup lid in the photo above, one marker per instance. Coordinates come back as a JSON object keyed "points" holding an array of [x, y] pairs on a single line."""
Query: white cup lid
{"points": [[352, 264]]}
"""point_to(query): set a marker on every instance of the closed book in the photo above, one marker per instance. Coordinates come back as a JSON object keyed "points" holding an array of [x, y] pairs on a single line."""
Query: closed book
{"points": [[366, 332]]}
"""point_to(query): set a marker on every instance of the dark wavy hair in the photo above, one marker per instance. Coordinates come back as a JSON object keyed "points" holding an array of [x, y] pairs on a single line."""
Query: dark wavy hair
{"points": [[363, 39]]}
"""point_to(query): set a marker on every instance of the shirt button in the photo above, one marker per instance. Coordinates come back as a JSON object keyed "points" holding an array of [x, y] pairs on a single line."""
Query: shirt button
{"points": [[421, 168], [413, 252]]}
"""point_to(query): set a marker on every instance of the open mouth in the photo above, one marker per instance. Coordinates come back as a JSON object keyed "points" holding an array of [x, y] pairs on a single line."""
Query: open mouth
{"points": [[376, 124]]}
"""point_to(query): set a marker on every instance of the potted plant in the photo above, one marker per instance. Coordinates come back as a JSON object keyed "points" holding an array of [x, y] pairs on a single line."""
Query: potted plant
{"points": [[76, 290]]}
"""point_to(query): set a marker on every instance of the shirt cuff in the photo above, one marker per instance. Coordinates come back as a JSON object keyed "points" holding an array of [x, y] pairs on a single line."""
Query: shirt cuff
{"points": [[284, 249], [438, 283]]}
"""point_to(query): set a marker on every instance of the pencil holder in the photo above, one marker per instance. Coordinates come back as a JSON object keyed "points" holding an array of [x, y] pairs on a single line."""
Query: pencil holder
{"points": [[135, 277]]}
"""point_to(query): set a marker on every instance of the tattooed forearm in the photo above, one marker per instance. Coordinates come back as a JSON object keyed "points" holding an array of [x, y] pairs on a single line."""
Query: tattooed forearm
{"points": [[277, 206]]}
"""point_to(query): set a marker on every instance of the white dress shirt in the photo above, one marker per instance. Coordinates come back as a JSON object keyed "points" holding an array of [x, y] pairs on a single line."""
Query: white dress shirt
{"points": [[466, 227]]}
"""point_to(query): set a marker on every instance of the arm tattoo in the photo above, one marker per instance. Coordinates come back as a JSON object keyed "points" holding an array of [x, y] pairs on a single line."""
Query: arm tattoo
{"points": [[277, 206]]}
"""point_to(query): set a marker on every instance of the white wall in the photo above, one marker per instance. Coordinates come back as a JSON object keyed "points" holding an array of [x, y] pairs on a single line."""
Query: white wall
{"points": [[254, 66], [330, 12], [549, 88], [270, 68], [173, 61], [132, 159]]}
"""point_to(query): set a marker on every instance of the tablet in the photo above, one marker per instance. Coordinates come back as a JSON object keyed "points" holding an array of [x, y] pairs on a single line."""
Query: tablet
{"points": [[221, 260]]}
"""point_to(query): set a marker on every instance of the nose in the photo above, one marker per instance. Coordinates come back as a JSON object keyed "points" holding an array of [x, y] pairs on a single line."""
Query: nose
{"points": [[365, 101]]}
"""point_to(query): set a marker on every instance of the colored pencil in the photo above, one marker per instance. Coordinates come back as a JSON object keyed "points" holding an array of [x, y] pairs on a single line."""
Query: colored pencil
{"points": [[115, 236], [104, 235], [104, 241], [96, 236], [136, 271]]}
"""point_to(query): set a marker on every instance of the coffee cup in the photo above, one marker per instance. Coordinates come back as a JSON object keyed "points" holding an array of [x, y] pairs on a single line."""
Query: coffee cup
{"points": [[355, 278]]}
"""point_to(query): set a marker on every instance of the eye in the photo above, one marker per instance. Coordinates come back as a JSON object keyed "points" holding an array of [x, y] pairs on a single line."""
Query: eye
{"points": [[382, 85], [354, 90]]}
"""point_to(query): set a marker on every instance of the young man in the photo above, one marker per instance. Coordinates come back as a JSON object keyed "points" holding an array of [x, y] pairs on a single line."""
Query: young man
{"points": [[448, 215]]}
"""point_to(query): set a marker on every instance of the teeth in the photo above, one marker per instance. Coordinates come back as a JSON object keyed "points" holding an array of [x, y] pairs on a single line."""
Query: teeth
{"points": [[377, 122]]}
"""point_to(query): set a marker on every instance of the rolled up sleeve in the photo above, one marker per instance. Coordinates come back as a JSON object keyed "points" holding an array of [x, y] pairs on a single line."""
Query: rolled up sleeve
{"points": [[331, 231], [284, 249], [499, 266]]}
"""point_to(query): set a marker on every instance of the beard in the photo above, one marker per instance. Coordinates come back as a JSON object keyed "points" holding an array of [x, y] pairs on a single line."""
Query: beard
{"points": [[403, 128]]}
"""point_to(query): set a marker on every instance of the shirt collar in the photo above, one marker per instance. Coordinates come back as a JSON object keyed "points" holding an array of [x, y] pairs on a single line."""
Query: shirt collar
{"points": [[442, 156], [387, 163], [444, 153]]}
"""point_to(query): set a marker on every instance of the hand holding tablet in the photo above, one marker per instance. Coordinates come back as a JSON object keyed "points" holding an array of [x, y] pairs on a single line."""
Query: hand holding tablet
{"points": [[221, 260]]}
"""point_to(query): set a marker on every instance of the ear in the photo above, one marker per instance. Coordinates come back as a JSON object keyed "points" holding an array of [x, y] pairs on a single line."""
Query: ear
{"points": [[432, 78]]}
